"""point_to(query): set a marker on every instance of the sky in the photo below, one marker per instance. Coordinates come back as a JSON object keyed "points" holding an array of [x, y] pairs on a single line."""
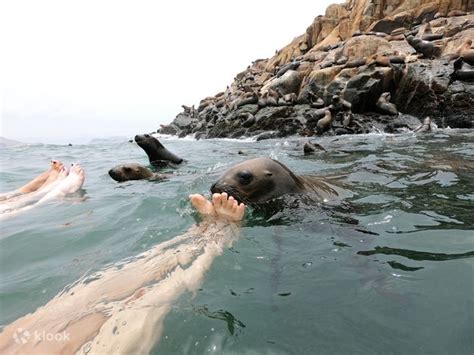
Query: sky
{"points": [[71, 71]]}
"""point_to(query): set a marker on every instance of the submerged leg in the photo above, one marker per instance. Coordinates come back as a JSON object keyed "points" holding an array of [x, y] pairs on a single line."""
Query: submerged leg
{"points": [[134, 299]]}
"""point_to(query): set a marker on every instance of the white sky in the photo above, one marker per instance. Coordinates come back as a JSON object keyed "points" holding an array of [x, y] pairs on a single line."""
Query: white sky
{"points": [[73, 70]]}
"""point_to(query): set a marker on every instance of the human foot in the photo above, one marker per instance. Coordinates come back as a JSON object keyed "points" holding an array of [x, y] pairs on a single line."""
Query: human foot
{"points": [[42, 179], [203, 206], [74, 179], [227, 208], [55, 173], [70, 184]]}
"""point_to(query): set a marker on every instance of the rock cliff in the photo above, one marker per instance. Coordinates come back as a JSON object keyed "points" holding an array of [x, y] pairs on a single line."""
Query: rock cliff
{"points": [[365, 65]]}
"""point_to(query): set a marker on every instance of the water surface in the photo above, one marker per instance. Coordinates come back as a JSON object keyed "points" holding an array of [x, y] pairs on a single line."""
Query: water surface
{"points": [[305, 281]]}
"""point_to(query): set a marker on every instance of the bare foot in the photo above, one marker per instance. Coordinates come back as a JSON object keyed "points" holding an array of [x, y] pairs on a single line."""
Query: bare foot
{"points": [[203, 206], [38, 181], [71, 183], [227, 208], [56, 168]]}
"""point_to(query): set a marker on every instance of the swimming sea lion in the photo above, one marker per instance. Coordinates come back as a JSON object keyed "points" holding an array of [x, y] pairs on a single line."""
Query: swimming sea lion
{"points": [[427, 126], [311, 147], [133, 171], [157, 153], [260, 180]]}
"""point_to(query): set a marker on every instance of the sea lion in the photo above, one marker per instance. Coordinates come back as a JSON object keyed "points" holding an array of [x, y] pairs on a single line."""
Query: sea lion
{"points": [[324, 123], [355, 63], [157, 153], [133, 171], [260, 180], [463, 47], [427, 126], [426, 48], [311, 147], [467, 53], [459, 73], [391, 38], [289, 66], [397, 59], [432, 36], [385, 106], [454, 13], [382, 61]]}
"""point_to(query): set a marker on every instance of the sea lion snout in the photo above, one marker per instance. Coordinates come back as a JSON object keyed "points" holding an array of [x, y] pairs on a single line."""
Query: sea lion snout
{"points": [[141, 137], [115, 175], [217, 187]]}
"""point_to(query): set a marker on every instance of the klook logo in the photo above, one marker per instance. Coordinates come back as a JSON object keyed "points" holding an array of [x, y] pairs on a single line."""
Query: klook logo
{"points": [[22, 336]]}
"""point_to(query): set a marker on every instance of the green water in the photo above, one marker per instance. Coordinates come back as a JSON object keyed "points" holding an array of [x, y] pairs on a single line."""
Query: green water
{"points": [[303, 282]]}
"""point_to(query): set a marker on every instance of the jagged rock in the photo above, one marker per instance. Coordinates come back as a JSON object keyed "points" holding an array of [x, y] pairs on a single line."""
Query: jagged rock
{"points": [[355, 52], [288, 83], [361, 90]]}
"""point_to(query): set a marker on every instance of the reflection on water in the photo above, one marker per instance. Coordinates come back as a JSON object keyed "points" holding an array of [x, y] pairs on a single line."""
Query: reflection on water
{"points": [[391, 268]]}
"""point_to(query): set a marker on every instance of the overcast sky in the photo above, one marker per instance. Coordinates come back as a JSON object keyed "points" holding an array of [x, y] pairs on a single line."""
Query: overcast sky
{"points": [[74, 70]]}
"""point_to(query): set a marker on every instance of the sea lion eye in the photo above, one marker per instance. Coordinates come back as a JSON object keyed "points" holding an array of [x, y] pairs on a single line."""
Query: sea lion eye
{"points": [[244, 177], [147, 135]]}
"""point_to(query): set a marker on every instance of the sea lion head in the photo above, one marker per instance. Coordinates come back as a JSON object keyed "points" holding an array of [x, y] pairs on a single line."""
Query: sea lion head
{"points": [[257, 181], [157, 153], [132, 171]]}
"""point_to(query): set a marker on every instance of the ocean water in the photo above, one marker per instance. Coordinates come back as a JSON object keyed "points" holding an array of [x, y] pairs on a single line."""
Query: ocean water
{"points": [[304, 281]]}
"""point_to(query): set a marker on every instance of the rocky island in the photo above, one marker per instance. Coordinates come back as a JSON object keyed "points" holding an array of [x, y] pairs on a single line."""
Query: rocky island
{"points": [[366, 65]]}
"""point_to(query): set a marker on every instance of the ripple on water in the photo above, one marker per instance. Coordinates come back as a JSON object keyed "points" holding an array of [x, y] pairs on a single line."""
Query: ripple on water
{"points": [[298, 281]]}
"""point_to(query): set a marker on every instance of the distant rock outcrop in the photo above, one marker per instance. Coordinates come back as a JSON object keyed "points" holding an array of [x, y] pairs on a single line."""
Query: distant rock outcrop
{"points": [[372, 63], [9, 143]]}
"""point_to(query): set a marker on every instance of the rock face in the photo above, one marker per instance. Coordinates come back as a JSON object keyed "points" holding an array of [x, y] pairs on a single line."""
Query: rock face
{"points": [[372, 63]]}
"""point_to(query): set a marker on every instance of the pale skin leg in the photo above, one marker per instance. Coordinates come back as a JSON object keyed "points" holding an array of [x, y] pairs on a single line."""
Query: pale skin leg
{"points": [[62, 186], [132, 300], [12, 205], [37, 182], [69, 185]]}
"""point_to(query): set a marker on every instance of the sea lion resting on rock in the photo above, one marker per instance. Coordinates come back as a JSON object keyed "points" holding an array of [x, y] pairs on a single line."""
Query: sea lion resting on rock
{"points": [[385, 106], [424, 47], [324, 123], [260, 180], [467, 53]]}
